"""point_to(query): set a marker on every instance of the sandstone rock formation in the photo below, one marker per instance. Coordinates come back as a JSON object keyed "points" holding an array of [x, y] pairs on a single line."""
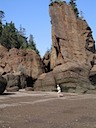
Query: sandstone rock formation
{"points": [[71, 63], [46, 61], [20, 67], [3, 84], [72, 53], [45, 82], [92, 75], [72, 37]]}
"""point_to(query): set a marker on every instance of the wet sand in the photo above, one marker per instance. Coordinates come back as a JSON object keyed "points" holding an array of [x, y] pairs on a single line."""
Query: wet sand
{"points": [[46, 110]]}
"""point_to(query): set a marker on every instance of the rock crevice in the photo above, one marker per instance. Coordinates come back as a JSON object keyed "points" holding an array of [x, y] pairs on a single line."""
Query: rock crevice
{"points": [[72, 52]]}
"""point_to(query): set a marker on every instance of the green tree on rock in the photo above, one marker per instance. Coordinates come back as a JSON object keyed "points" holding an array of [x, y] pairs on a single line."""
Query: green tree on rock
{"points": [[58, 1], [11, 38], [74, 7], [2, 15], [0, 28], [32, 44], [22, 39]]}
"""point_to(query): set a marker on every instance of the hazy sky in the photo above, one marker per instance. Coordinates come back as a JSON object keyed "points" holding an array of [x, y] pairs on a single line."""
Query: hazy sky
{"points": [[33, 15]]}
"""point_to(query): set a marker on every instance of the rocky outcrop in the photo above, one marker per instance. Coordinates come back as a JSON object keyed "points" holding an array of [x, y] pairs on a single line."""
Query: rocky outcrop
{"points": [[45, 82], [71, 37], [71, 63], [20, 67], [92, 75], [73, 50], [46, 61], [3, 84]]}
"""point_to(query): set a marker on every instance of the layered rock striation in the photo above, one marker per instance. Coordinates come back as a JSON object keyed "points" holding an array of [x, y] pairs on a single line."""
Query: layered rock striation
{"points": [[72, 53], [71, 63], [20, 67]]}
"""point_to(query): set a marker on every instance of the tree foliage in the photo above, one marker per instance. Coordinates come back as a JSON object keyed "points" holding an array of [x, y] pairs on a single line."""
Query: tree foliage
{"points": [[2, 15], [8, 37], [22, 38], [74, 7], [58, 1], [32, 45], [0, 28], [11, 37]]}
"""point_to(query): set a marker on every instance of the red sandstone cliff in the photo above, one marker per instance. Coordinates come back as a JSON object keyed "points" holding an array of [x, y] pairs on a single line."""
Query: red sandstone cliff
{"points": [[72, 53], [20, 67]]}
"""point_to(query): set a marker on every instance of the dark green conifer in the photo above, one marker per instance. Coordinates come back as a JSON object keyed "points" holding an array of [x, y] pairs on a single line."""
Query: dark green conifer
{"points": [[32, 44], [74, 7]]}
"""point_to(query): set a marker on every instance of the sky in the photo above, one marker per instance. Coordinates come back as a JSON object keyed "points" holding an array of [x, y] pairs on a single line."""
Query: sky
{"points": [[33, 15]]}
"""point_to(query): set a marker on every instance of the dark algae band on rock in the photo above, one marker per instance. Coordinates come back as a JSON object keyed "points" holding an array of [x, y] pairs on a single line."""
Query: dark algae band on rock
{"points": [[72, 54], [3, 84], [70, 63]]}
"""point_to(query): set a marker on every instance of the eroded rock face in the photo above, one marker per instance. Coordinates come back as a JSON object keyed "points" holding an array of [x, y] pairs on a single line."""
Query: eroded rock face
{"points": [[17, 66], [71, 37], [3, 84], [73, 49], [46, 61], [92, 75], [45, 82]]}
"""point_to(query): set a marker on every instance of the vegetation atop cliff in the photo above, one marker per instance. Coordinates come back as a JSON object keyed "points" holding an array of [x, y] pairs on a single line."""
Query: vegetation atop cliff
{"points": [[72, 3], [11, 37], [60, 2]]}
